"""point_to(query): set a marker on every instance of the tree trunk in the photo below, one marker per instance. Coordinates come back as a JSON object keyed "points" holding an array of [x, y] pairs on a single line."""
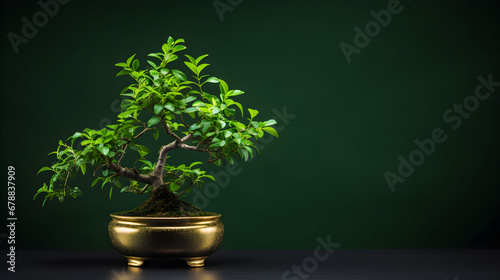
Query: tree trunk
{"points": [[163, 202]]}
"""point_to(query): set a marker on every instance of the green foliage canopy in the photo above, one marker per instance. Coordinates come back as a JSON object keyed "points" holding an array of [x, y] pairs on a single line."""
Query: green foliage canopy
{"points": [[159, 99]]}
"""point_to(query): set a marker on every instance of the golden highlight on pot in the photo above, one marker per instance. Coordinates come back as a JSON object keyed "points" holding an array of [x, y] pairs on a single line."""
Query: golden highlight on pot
{"points": [[192, 239]]}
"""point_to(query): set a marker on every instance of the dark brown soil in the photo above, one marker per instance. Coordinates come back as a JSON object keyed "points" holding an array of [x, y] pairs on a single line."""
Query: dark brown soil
{"points": [[164, 203]]}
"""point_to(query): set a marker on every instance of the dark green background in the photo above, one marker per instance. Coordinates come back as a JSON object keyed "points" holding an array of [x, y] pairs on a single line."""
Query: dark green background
{"points": [[324, 175]]}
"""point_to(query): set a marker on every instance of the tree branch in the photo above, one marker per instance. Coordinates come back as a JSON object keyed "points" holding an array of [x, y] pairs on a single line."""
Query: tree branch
{"points": [[187, 125], [144, 189], [215, 159], [124, 149], [185, 189], [66, 182], [131, 174], [142, 132], [160, 166], [192, 148], [187, 138], [167, 129]]}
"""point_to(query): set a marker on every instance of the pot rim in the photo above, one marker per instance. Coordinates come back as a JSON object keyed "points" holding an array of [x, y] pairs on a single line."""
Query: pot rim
{"points": [[146, 218]]}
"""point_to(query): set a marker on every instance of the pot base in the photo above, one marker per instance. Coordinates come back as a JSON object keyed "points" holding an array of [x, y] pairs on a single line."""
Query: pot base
{"points": [[191, 239], [192, 262], [196, 262], [135, 261]]}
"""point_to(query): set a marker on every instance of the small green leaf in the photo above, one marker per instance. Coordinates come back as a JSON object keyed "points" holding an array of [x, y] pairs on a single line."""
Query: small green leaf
{"points": [[178, 48], [95, 181], [249, 149], [157, 55], [76, 135], [129, 60], [147, 162], [43, 169], [154, 120], [253, 113], [83, 166], [222, 124], [174, 186], [195, 163], [110, 192], [77, 191], [237, 137], [194, 127], [172, 57], [201, 67], [123, 72], [135, 64], [190, 110], [223, 86], [190, 58], [121, 64], [237, 92], [104, 150], [270, 122], [212, 80], [170, 107], [157, 108], [192, 67], [125, 114], [143, 150], [245, 154], [210, 177], [152, 64], [199, 104], [189, 99], [156, 134], [180, 75], [239, 106], [260, 133], [200, 58], [86, 142], [154, 73], [205, 127], [271, 131]]}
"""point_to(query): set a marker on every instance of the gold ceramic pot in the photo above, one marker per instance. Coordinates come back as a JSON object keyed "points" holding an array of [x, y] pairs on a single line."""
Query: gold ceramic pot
{"points": [[191, 239]]}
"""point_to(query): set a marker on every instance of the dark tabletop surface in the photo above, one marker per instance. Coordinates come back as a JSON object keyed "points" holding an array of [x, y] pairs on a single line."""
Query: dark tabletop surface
{"points": [[300, 264]]}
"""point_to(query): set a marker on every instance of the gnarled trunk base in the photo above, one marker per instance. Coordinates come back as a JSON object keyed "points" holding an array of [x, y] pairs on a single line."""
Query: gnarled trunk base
{"points": [[163, 203]]}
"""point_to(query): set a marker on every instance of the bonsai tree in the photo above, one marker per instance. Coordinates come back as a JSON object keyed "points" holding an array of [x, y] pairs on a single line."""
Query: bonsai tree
{"points": [[160, 100]]}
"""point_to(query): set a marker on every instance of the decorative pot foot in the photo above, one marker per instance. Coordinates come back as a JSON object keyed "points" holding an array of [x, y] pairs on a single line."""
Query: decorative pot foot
{"points": [[135, 261], [196, 262]]}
